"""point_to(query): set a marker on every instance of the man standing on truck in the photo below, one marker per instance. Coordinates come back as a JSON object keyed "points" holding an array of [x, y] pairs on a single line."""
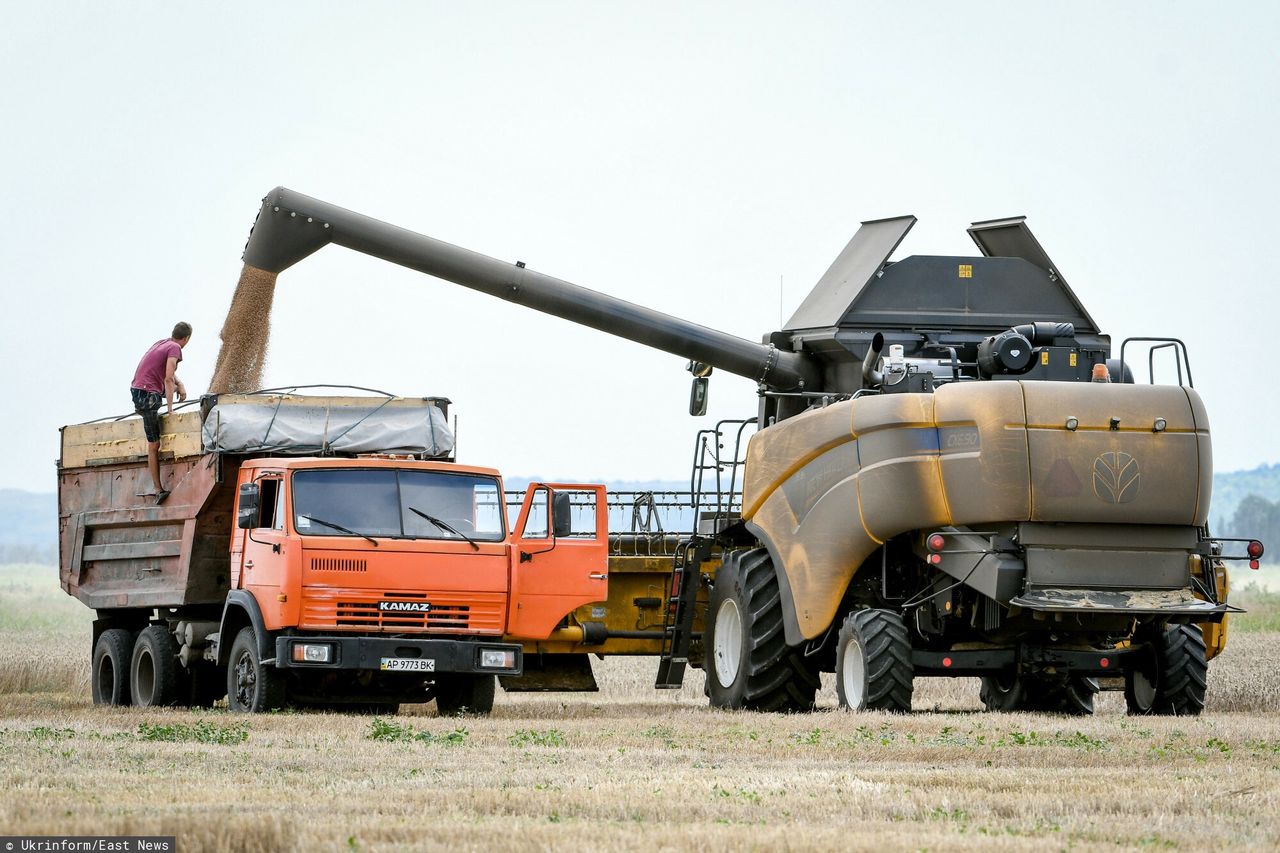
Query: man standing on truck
{"points": [[156, 377]]}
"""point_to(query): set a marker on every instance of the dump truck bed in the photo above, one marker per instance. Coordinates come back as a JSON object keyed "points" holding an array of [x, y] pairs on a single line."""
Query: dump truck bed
{"points": [[118, 549]]}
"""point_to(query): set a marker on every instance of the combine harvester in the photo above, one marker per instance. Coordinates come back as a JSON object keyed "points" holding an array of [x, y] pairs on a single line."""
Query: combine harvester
{"points": [[949, 475], [997, 497]]}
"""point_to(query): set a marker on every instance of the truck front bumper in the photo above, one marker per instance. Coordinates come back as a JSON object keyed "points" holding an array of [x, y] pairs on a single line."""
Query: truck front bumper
{"points": [[398, 654]]}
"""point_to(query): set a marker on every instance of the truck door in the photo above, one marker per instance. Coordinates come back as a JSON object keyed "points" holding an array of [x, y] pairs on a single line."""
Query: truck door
{"points": [[262, 546], [560, 556]]}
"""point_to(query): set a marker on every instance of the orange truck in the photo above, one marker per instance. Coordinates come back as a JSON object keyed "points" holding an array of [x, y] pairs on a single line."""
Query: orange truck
{"points": [[315, 551]]}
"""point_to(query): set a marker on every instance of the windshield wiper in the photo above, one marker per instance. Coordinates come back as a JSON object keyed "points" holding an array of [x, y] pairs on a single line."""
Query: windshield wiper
{"points": [[444, 525], [340, 527]]}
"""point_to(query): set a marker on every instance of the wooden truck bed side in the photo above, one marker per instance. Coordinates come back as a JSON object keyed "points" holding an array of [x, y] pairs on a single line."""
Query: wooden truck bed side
{"points": [[116, 548]]}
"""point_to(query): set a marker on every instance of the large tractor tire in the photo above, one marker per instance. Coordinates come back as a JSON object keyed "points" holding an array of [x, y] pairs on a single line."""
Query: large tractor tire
{"points": [[457, 695], [873, 662], [155, 675], [748, 662], [1174, 682], [1052, 695], [251, 686], [111, 658]]}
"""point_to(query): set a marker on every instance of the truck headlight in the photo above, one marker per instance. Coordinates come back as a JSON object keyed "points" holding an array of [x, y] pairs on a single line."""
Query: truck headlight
{"points": [[312, 653], [497, 659]]}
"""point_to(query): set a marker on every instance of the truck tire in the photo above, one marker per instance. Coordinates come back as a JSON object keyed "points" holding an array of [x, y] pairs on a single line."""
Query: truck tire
{"points": [[873, 662], [1071, 694], [748, 662], [111, 658], [154, 675], [458, 694], [251, 686], [1181, 673]]}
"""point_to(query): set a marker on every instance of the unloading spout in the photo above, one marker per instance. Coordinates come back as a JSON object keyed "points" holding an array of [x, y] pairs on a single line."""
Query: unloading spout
{"points": [[291, 226]]}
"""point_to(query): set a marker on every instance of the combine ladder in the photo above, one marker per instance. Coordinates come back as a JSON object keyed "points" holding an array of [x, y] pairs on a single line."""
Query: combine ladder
{"points": [[718, 499], [677, 622]]}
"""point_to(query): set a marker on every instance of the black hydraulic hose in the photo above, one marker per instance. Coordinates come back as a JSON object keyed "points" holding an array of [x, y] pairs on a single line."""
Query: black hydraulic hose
{"points": [[291, 226]]}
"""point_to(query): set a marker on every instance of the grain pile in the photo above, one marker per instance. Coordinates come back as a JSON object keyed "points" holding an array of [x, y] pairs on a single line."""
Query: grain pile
{"points": [[245, 334]]}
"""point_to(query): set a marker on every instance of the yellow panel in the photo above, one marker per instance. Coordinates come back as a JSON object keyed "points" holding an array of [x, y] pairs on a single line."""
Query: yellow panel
{"points": [[123, 440]]}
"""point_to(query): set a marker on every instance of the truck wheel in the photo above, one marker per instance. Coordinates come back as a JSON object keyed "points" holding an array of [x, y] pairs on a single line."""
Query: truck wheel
{"points": [[153, 669], [465, 694], [1175, 685], [748, 662], [1071, 694], [252, 687], [111, 657], [873, 662]]}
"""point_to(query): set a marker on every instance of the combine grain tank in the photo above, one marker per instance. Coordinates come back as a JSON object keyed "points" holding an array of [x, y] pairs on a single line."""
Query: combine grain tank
{"points": [[954, 474]]}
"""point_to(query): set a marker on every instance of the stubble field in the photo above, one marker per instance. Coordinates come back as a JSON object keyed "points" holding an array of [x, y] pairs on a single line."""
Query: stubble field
{"points": [[632, 768]]}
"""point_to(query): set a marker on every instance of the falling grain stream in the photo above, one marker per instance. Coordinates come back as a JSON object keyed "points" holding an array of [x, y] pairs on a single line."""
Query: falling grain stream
{"points": [[245, 334]]}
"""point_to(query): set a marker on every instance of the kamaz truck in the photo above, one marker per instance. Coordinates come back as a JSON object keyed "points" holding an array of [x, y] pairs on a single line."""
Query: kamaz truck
{"points": [[317, 551]]}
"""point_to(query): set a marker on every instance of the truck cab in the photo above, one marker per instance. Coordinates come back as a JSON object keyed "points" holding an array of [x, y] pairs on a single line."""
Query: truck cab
{"points": [[394, 568]]}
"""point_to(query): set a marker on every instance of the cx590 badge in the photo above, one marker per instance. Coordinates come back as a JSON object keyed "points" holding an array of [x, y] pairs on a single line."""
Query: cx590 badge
{"points": [[1116, 478], [404, 606]]}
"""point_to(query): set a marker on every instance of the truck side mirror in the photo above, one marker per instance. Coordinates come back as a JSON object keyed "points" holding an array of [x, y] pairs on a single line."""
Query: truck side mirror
{"points": [[247, 514], [561, 518], [698, 396]]}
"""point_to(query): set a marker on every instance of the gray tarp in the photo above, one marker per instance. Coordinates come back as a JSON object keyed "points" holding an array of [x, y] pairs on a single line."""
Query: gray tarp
{"points": [[302, 425]]}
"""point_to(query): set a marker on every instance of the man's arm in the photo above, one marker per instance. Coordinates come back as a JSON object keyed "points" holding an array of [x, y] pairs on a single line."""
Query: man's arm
{"points": [[173, 384]]}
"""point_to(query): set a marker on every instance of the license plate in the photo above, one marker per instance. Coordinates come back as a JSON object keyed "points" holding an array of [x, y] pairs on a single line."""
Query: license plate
{"points": [[409, 664]]}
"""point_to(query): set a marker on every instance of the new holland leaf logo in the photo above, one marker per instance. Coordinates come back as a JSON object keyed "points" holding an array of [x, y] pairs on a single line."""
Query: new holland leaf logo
{"points": [[1116, 478]]}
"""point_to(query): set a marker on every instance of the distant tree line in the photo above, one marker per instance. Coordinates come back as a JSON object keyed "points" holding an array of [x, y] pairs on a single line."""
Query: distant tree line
{"points": [[42, 554], [1257, 518]]}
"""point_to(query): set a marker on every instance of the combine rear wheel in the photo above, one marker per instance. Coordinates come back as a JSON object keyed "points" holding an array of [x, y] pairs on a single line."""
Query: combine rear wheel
{"points": [[1071, 694], [873, 662], [1173, 684], [111, 657], [748, 662], [465, 694], [154, 672]]}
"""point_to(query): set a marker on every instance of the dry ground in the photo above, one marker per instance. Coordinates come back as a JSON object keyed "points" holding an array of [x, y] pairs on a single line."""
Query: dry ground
{"points": [[632, 768]]}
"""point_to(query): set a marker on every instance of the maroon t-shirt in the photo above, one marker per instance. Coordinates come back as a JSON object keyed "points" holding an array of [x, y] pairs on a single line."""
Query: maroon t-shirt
{"points": [[150, 373]]}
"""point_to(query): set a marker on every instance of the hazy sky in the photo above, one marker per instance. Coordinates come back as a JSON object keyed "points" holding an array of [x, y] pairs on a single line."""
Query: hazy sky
{"points": [[685, 156]]}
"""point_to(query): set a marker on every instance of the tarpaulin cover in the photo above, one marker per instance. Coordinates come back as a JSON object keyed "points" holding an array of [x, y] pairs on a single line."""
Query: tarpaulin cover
{"points": [[306, 425]]}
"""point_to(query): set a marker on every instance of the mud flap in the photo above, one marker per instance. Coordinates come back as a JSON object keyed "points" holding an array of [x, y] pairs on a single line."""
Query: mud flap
{"points": [[1168, 602], [552, 674]]}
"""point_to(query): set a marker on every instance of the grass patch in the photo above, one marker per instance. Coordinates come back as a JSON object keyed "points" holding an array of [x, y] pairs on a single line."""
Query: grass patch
{"points": [[530, 737], [390, 731], [1262, 605], [201, 731]]}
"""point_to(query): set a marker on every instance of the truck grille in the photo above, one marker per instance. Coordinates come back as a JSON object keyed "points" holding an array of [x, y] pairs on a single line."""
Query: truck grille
{"points": [[450, 613]]}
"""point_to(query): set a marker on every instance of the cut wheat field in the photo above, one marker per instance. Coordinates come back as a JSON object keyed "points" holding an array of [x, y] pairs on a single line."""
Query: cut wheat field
{"points": [[633, 768]]}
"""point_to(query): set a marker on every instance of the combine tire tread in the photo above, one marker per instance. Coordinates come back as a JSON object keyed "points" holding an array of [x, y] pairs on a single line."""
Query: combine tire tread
{"points": [[1182, 674], [457, 695], [1071, 695], [773, 677], [886, 655]]}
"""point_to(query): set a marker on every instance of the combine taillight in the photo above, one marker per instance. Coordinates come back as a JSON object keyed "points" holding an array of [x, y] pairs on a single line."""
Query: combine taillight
{"points": [[937, 542]]}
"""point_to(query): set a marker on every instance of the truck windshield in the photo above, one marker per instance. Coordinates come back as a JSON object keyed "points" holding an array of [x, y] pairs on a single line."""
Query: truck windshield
{"points": [[377, 501]]}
